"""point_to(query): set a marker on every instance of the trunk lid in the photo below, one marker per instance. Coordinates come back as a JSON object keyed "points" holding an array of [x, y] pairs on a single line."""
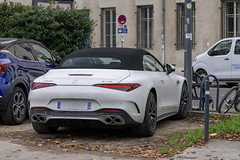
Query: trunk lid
{"points": [[83, 76]]}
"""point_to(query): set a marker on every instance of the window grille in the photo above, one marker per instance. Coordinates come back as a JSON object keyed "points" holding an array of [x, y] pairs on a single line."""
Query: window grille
{"points": [[231, 19], [108, 28], [66, 4], [145, 27]]}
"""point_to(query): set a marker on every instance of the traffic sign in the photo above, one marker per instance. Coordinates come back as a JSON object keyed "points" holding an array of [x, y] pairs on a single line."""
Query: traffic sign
{"points": [[122, 30], [122, 19]]}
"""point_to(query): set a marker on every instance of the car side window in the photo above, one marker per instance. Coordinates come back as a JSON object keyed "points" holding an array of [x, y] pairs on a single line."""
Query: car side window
{"points": [[23, 52], [11, 49], [237, 47], [151, 64], [43, 55], [222, 48]]}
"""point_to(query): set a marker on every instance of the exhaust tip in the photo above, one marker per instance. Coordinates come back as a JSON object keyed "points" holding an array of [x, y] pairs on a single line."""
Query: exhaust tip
{"points": [[109, 120], [113, 120], [39, 118], [118, 120], [42, 119], [34, 118]]}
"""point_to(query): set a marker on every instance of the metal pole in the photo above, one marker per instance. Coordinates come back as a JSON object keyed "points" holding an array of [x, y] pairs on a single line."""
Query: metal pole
{"points": [[188, 48], [206, 128], [122, 39]]}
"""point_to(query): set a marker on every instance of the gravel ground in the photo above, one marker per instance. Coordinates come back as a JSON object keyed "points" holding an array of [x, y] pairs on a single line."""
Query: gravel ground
{"points": [[100, 142]]}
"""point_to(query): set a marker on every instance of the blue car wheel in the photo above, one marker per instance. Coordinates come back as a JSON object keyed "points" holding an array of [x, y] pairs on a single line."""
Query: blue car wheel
{"points": [[17, 107]]}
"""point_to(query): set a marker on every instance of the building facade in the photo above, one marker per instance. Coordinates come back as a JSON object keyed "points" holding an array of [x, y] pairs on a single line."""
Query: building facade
{"points": [[145, 26], [212, 20]]}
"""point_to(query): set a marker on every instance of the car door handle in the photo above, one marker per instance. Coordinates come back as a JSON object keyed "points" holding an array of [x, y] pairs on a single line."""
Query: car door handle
{"points": [[226, 59]]}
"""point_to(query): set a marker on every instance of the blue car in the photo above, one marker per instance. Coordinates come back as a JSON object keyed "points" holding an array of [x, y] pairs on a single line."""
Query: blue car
{"points": [[21, 61]]}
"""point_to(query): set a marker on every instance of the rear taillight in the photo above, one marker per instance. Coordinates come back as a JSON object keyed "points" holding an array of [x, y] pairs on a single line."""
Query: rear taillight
{"points": [[112, 110], [3, 67], [122, 87], [41, 85]]}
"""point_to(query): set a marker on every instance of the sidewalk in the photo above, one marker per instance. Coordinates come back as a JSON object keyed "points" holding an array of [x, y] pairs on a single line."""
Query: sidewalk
{"points": [[11, 151], [213, 150]]}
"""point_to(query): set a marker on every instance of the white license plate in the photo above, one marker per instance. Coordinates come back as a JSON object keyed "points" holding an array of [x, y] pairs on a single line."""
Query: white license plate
{"points": [[73, 105]]}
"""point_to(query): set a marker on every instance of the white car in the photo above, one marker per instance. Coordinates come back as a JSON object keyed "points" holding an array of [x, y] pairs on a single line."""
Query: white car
{"points": [[221, 60], [115, 87]]}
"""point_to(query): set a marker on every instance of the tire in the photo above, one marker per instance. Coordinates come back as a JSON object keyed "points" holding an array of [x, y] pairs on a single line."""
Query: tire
{"points": [[184, 101], [44, 128], [227, 101], [237, 102], [148, 128], [200, 74], [17, 107]]}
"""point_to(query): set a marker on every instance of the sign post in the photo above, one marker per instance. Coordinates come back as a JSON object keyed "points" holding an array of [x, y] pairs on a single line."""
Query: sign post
{"points": [[122, 39], [122, 29], [188, 49]]}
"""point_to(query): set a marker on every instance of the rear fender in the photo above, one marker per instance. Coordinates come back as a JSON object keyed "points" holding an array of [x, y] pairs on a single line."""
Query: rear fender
{"points": [[17, 83]]}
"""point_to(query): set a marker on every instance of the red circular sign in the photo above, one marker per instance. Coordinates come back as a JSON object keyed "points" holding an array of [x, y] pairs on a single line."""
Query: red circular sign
{"points": [[122, 19]]}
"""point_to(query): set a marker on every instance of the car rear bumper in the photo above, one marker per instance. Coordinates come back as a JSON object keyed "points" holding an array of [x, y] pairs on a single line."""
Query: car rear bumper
{"points": [[105, 116], [90, 99]]}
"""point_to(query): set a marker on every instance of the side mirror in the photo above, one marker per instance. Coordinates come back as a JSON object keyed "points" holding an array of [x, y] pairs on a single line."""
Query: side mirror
{"points": [[170, 68], [58, 59], [211, 52]]}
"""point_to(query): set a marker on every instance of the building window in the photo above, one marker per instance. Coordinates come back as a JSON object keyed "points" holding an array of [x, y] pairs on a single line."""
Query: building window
{"points": [[231, 19], [145, 27], [108, 28], [65, 4], [180, 26]]}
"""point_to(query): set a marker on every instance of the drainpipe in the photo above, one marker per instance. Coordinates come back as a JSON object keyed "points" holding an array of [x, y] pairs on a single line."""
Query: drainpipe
{"points": [[163, 31]]}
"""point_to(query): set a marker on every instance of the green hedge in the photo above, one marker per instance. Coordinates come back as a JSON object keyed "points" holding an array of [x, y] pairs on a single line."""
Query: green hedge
{"points": [[62, 31]]}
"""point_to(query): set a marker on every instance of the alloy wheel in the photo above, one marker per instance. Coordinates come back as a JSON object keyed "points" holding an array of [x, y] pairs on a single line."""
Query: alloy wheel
{"points": [[19, 106]]}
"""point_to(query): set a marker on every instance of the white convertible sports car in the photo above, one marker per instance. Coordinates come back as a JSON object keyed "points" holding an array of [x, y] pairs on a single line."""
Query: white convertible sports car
{"points": [[115, 87]]}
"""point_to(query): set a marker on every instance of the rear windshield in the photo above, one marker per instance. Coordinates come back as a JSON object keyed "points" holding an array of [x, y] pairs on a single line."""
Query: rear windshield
{"points": [[92, 62]]}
